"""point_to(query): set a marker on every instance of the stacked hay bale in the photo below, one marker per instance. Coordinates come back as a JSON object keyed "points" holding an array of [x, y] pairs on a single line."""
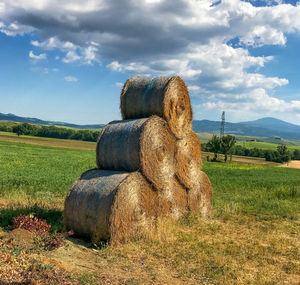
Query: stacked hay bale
{"points": [[168, 98], [149, 165]]}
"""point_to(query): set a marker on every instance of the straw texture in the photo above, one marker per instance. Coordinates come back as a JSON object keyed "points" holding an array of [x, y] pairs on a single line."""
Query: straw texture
{"points": [[149, 166], [200, 196], [103, 204], [180, 200], [188, 160], [143, 144], [164, 96]]}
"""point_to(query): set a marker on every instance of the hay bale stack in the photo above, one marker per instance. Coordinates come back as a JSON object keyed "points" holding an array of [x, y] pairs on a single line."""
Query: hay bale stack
{"points": [[145, 144], [172, 202], [200, 196], [188, 160], [149, 166], [103, 204], [164, 96]]}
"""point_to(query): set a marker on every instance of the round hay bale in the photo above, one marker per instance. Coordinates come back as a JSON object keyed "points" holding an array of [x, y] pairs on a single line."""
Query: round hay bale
{"points": [[188, 160], [180, 200], [164, 96], [173, 201], [103, 204], [142, 144], [200, 196]]}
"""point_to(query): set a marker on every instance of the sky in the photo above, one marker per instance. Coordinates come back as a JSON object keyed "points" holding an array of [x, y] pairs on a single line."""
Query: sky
{"points": [[68, 60]]}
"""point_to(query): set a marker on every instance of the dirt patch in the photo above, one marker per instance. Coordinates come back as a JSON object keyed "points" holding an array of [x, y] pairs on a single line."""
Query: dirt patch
{"points": [[21, 237], [240, 159], [110, 267], [201, 252], [292, 164], [2, 234]]}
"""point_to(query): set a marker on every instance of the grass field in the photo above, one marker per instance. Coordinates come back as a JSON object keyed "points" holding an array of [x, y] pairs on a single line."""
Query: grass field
{"points": [[264, 145], [77, 144], [73, 144], [253, 237], [261, 143]]}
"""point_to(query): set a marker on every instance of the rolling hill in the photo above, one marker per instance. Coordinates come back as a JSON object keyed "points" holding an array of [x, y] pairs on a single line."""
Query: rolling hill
{"points": [[14, 118], [265, 127]]}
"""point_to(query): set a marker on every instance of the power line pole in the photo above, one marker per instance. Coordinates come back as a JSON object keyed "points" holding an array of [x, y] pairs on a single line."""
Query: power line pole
{"points": [[222, 125]]}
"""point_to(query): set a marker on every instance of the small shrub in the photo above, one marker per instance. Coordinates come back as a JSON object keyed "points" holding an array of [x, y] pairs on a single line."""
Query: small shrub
{"points": [[47, 240], [32, 224], [55, 241]]}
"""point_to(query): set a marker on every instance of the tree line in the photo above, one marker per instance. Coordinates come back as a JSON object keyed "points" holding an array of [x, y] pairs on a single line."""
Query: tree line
{"points": [[51, 132], [226, 145]]}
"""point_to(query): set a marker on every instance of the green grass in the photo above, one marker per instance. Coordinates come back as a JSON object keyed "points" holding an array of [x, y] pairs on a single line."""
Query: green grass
{"points": [[261, 143], [253, 237], [36, 174], [264, 145], [39, 170], [23, 136], [46, 173], [259, 191]]}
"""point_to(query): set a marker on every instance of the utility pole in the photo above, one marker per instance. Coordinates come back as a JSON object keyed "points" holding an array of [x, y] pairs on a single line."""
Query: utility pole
{"points": [[222, 125]]}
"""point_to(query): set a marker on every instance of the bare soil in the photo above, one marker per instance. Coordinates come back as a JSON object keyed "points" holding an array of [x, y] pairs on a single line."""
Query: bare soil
{"points": [[292, 164]]}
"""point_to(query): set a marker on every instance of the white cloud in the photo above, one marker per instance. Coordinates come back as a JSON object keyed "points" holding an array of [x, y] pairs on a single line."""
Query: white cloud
{"points": [[71, 56], [37, 56], [14, 28], [70, 79], [119, 84], [115, 66], [256, 103], [53, 43], [44, 70], [189, 38], [90, 54], [194, 88]]}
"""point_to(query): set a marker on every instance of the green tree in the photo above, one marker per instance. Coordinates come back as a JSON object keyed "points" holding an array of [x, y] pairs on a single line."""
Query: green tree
{"points": [[19, 129], [296, 154], [226, 145], [214, 146], [284, 154]]}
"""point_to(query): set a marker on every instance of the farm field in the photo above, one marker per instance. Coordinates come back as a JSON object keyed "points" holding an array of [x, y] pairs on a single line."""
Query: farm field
{"points": [[203, 137], [261, 143], [83, 145], [253, 237], [73, 144], [264, 145]]}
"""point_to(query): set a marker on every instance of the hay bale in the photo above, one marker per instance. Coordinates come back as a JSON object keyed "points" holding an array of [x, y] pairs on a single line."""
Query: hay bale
{"points": [[180, 200], [172, 202], [164, 96], [200, 196], [142, 144], [188, 160], [103, 204]]}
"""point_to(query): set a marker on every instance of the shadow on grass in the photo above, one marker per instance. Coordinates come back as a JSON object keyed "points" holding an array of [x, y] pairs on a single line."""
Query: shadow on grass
{"points": [[52, 216]]}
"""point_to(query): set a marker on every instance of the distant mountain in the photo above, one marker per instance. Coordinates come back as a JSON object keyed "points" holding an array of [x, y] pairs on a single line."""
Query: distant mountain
{"points": [[265, 127], [274, 124], [14, 118]]}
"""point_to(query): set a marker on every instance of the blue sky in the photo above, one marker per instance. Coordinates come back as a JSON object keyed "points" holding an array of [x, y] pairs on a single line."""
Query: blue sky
{"points": [[67, 60]]}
